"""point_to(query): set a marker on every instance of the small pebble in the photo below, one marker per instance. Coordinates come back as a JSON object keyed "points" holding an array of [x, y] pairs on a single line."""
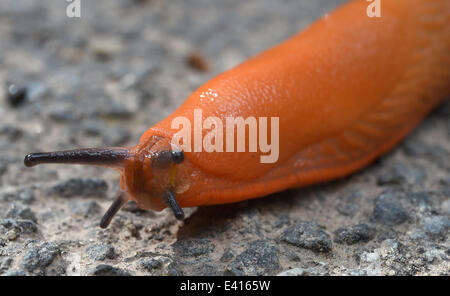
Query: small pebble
{"points": [[101, 252], [192, 247], [38, 257], [260, 258], [354, 234], [16, 95], [437, 227], [308, 235], [150, 264], [197, 61], [388, 209], [108, 270], [18, 211], [227, 255]]}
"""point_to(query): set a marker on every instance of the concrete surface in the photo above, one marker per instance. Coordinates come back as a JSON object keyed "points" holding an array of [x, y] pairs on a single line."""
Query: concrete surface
{"points": [[105, 78]]}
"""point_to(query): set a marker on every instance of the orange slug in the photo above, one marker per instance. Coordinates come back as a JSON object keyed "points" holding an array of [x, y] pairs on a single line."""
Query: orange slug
{"points": [[345, 91]]}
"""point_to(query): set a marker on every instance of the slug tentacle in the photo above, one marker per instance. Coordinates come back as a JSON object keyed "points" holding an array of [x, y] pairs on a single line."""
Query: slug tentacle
{"points": [[93, 156], [121, 199], [171, 201]]}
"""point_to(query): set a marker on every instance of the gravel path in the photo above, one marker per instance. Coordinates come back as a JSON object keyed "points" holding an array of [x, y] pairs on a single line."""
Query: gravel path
{"points": [[103, 79]]}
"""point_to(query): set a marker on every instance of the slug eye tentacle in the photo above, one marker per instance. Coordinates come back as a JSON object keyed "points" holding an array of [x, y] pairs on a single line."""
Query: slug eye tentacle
{"points": [[121, 199], [171, 201], [94, 156], [166, 157], [177, 156]]}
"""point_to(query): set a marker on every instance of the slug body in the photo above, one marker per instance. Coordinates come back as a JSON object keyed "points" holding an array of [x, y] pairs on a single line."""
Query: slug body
{"points": [[345, 90]]}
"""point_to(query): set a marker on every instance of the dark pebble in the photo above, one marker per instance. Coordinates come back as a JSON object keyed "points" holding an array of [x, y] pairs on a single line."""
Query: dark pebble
{"points": [[101, 252], [437, 227], [227, 255], [192, 247], [22, 226], [108, 270], [260, 258], [38, 257], [5, 263], [399, 174], [80, 187], [16, 95], [12, 133], [174, 270], [420, 198], [17, 211], [348, 205], [150, 264], [308, 235], [25, 195], [354, 234], [388, 209]]}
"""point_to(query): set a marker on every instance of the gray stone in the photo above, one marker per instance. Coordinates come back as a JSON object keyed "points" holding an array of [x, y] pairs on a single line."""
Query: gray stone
{"points": [[227, 255], [80, 187], [260, 257], [308, 235], [16, 95], [354, 234], [437, 227], [17, 211], [400, 174], [388, 209], [108, 270], [25, 195], [101, 252], [150, 264], [20, 225], [39, 257], [347, 205], [174, 269], [192, 247], [5, 263], [12, 133]]}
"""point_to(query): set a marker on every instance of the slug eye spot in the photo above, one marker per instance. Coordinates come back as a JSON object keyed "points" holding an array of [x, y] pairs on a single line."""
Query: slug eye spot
{"points": [[177, 156], [164, 158]]}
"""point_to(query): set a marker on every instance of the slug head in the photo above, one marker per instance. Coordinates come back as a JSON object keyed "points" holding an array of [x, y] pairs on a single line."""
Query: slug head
{"points": [[152, 173], [155, 168]]}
